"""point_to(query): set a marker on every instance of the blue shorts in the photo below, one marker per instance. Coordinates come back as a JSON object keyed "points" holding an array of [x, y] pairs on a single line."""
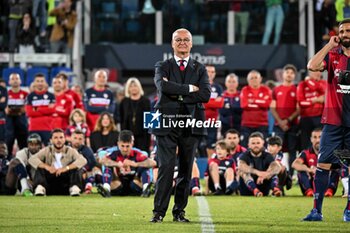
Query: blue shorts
{"points": [[333, 138]]}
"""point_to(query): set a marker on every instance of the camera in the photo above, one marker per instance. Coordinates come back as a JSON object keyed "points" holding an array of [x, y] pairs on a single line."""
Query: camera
{"points": [[344, 77]]}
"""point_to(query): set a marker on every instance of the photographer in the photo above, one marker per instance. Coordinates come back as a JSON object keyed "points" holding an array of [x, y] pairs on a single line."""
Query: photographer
{"points": [[334, 57], [16, 120]]}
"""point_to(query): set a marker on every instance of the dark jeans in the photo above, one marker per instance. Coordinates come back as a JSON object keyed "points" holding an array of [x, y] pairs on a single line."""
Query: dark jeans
{"points": [[57, 185], [16, 128], [307, 124]]}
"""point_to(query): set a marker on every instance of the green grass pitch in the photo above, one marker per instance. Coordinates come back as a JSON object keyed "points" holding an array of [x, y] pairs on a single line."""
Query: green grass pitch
{"points": [[92, 213]]}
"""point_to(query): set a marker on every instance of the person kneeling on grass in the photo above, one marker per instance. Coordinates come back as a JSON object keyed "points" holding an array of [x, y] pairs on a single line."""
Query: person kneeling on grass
{"points": [[126, 170], [19, 172], [220, 174], [306, 165], [58, 168], [258, 169]]}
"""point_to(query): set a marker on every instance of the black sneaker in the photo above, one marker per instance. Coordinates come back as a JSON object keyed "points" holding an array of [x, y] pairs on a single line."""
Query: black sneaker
{"points": [[104, 192], [180, 218], [219, 192], [157, 218]]}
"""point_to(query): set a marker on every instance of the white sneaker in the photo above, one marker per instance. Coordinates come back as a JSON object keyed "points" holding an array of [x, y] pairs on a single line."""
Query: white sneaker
{"points": [[40, 191], [74, 191]]}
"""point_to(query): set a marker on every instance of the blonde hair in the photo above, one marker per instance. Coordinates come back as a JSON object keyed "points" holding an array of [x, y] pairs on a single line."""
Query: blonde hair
{"points": [[128, 84], [111, 127], [80, 112]]}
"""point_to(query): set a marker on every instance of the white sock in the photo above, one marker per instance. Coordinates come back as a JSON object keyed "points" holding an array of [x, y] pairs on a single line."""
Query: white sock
{"points": [[345, 182], [24, 184], [228, 183], [107, 186], [144, 186], [217, 186]]}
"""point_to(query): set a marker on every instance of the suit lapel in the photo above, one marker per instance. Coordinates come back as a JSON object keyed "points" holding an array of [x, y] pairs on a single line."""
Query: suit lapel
{"points": [[190, 68], [175, 68]]}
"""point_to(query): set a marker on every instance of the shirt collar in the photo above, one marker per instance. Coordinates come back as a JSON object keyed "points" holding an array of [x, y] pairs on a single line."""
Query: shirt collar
{"points": [[179, 58]]}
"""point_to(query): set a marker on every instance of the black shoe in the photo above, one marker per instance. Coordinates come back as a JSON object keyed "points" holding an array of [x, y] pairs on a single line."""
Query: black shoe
{"points": [[180, 218], [147, 191], [289, 182], [229, 191], [219, 192], [156, 218], [104, 192]]}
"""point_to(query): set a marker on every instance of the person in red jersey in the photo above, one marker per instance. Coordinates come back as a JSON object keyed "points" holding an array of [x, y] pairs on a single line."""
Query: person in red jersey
{"points": [[16, 120], [255, 102], [310, 95], [77, 101], [284, 108], [333, 57], [98, 99], [39, 108], [63, 105]]}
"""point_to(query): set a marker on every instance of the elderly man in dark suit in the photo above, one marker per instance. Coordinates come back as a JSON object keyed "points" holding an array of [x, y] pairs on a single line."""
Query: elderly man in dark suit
{"points": [[182, 87]]}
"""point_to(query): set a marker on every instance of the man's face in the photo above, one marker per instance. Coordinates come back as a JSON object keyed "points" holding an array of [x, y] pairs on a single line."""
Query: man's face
{"points": [[125, 148], [100, 78], [211, 73], [77, 140], [58, 140], [3, 150], [232, 140], [15, 80], [34, 147], [288, 75], [344, 35], [256, 145], [181, 42], [57, 84], [40, 83], [254, 80], [231, 83], [315, 140]]}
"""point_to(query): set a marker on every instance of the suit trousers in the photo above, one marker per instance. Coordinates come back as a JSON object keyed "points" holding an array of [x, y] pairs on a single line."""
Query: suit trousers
{"points": [[166, 151]]}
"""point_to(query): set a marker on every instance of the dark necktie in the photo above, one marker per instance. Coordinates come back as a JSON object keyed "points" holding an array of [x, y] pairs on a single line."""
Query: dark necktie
{"points": [[182, 65]]}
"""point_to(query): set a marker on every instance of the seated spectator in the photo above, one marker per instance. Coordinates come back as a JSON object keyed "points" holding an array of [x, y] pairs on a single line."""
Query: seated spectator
{"points": [[4, 161], [274, 147], [25, 36], [220, 174], [57, 168], [105, 133], [132, 169], [77, 120], [306, 165], [258, 169], [78, 140], [20, 174]]}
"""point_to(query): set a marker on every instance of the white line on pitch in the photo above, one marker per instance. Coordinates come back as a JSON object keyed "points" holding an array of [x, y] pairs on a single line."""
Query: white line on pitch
{"points": [[204, 215]]}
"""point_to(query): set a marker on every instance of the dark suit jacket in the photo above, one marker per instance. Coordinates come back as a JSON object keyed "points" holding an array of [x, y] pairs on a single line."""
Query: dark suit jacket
{"points": [[169, 91]]}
